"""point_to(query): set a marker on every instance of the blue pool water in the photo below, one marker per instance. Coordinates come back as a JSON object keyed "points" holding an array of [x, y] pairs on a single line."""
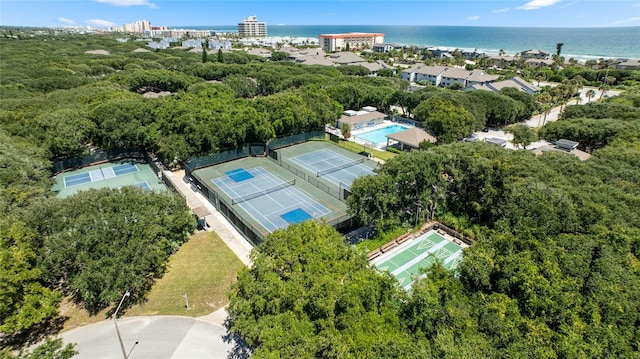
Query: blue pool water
{"points": [[378, 136]]}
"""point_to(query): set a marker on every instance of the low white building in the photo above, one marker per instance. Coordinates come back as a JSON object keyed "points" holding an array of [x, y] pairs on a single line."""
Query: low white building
{"points": [[368, 116], [444, 76]]}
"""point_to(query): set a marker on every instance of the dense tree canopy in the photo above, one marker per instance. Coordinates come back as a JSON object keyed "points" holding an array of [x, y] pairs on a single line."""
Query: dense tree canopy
{"points": [[553, 271], [309, 295], [101, 243]]}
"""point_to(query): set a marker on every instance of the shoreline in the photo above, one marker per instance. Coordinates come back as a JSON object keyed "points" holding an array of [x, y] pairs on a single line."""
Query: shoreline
{"points": [[588, 43]]}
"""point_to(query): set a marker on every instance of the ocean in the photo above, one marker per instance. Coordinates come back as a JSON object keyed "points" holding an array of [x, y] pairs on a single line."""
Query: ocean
{"points": [[579, 43]]}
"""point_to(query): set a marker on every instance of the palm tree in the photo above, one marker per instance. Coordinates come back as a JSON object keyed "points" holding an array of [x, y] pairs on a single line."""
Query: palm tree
{"points": [[590, 94], [578, 82], [559, 48], [544, 99], [603, 88], [540, 76], [501, 52]]}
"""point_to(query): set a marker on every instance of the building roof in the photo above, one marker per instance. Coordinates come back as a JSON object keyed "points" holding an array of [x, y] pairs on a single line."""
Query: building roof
{"points": [[514, 82], [480, 76], [582, 156], [540, 61], [289, 50], [430, 70], [456, 73], [412, 137], [345, 57], [534, 53], [372, 66], [201, 211], [351, 34], [567, 144], [496, 141], [366, 117], [259, 52], [316, 60]]}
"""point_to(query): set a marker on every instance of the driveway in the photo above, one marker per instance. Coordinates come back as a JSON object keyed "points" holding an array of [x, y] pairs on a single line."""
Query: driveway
{"points": [[156, 337]]}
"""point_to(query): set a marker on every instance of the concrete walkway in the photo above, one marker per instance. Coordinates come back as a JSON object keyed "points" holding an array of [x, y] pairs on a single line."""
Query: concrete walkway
{"points": [[154, 337], [217, 223]]}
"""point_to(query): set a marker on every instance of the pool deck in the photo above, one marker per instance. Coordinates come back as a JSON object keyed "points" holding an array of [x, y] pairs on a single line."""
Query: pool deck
{"points": [[360, 141]]}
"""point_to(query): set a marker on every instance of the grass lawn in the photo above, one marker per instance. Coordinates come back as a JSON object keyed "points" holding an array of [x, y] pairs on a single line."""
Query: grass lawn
{"points": [[204, 268], [357, 148]]}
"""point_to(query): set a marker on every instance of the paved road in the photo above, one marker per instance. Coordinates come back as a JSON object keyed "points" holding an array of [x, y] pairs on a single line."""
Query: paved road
{"points": [[157, 337], [539, 121]]}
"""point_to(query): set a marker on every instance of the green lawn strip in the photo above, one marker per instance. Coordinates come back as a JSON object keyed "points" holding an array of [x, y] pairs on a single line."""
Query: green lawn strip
{"points": [[357, 148], [203, 269], [380, 239]]}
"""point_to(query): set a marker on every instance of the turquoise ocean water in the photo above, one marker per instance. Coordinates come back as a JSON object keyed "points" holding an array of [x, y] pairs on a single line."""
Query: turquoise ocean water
{"points": [[584, 43]]}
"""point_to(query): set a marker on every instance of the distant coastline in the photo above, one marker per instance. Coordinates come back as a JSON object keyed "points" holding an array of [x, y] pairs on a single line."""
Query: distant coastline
{"points": [[579, 43]]}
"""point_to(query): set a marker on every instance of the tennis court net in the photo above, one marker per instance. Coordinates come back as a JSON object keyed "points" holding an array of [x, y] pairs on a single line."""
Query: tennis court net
{"points": [[340, 167], [263, 192]]}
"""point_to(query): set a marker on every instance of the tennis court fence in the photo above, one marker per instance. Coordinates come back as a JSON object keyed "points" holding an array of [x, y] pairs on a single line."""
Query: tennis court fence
{"points": [[265, 192], [340, 167], [228, 210], [100, 156], [221, 157]]}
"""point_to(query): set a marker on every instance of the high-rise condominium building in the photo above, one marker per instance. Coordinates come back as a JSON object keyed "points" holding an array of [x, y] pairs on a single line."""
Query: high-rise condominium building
{"points": [[251, 27]]}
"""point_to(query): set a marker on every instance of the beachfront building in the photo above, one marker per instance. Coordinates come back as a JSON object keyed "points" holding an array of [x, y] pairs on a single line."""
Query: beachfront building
{"points": [[352, 40], [628, 64], [538, 63], [534, 54], [444, 76], [384, 48], [251, 27], [501, 61]]}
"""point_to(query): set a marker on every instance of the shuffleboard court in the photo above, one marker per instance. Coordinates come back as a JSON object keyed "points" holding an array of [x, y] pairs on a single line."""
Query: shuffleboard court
{"points": [[99, 174], [124, 169], [270, 200], [405, 261], [77, 179], [126, 172], [143, 185], [336, 168]]}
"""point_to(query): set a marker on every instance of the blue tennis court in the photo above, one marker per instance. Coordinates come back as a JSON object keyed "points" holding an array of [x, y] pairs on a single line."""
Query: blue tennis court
{"points": [[405, 261], [99, 174], [270, 200], [336, 168]]}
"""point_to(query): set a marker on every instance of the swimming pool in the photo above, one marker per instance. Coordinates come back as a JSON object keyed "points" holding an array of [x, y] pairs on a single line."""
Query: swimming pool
{"points": [[378, 136]]}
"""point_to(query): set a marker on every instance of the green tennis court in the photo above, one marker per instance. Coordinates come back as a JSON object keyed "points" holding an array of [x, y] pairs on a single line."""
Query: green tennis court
{"points": [[118, 174], [406, 260]]}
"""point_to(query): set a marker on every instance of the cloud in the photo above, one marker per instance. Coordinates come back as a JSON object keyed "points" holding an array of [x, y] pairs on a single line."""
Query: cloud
{"points": [[537, 4], [100, 23], [473, 18], [66, 21], [501, 10], [633, 19], [127, 3]]}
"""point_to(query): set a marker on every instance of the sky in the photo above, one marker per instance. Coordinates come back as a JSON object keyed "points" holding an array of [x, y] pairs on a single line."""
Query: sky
{"points": [[517, 13]]}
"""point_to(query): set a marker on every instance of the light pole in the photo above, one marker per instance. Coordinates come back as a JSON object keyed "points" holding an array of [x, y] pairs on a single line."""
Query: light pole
{"points": [[115, 322]]}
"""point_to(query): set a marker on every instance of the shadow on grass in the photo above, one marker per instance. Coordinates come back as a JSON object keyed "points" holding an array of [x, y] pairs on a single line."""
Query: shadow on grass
{"points": [[33, 335], [241, 349]]}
